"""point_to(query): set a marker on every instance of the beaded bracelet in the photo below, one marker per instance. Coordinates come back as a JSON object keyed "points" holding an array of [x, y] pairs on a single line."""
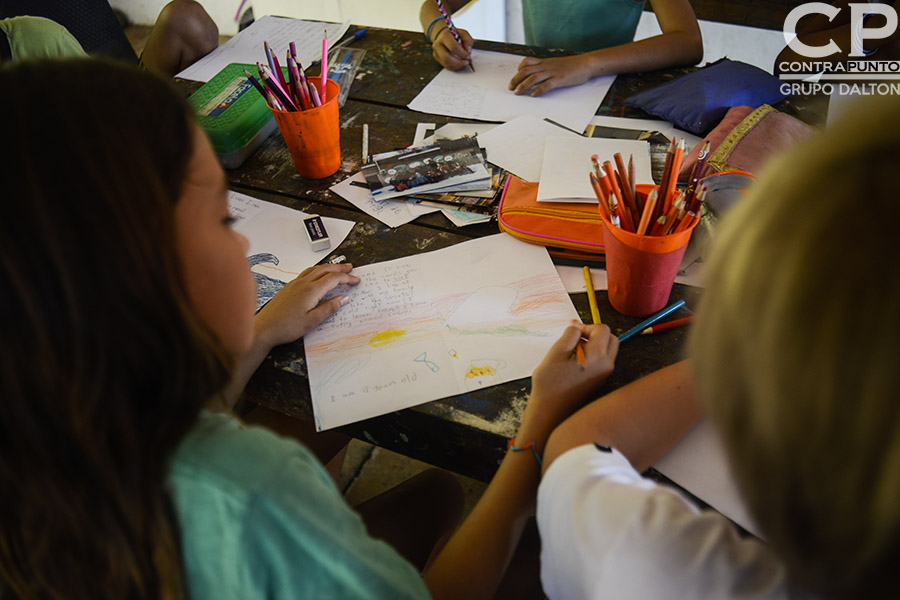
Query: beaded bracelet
{"points": [[511, 446], [430, 25], [438, 34]]}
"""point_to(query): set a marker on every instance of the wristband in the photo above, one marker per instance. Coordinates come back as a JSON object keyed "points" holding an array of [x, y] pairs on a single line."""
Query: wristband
{"points": [[511, 446], [430, 25], [439, 31]]}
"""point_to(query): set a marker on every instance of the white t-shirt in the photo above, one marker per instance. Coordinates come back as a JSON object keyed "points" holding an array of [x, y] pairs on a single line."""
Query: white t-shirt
{"points": [[607, 532]]}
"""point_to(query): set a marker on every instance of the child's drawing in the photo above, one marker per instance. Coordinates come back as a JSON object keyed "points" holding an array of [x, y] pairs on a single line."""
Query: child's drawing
{"points": [[434, 325], [266, 287]]}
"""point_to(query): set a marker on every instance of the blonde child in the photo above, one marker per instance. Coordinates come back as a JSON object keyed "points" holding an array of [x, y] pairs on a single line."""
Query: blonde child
{"points": [[794, 356]]}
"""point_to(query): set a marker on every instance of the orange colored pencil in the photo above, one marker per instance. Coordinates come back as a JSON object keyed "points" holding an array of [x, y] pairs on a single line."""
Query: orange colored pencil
{"points": [[673, 176], [664, 182], [627, 193], [627, 221], [601, 197], [648, 211]]}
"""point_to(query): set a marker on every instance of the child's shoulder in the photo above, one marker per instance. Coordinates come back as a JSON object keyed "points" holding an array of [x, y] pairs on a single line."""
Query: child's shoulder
{"points": [[221, 452]]}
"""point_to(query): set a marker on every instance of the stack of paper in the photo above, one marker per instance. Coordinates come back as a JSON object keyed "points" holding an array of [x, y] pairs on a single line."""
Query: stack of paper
{"points": [[448, 166]]}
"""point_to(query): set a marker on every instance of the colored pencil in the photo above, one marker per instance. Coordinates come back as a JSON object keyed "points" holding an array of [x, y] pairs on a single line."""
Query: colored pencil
{"points": [[650, 321], [664, 182], [601, 197], [324, 78], [648, 211], [667, 325], [255, 83], [673, 175], [579, 351], [314, 94], [276, 89], [592, 295]]}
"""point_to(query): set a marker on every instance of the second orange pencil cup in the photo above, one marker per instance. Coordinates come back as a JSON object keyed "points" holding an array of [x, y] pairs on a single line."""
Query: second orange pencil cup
{"points": [[641, 269], [314, 136]]}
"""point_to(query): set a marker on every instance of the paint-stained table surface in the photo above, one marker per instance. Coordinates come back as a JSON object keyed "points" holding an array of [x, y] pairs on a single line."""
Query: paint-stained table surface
{"points": [[466, 433]]}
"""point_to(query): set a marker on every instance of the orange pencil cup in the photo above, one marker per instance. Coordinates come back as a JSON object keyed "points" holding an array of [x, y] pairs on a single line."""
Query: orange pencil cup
{"points": [[640, 269], [314, 136]]}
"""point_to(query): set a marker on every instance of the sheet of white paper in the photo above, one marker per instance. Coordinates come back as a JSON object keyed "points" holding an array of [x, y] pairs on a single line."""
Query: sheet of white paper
{"points": [[279, 32], [392, 213], [518, 145], [279, 249], [567, 165], [433, 325], [664, 127], [484, 95], [698, 464], [573, 279], [424, 134]]}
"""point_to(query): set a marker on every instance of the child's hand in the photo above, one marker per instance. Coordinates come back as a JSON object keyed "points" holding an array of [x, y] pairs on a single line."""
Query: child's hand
{"points": [[540, 75], [449, 53], [560, 385], [297, 307]]}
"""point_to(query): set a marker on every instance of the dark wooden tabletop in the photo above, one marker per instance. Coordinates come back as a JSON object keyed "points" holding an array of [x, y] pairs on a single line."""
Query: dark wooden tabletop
{"points": [[466, 433]]}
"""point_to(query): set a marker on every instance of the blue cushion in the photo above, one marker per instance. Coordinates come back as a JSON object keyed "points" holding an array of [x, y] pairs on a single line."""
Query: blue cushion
{"points": [[699, 100]]}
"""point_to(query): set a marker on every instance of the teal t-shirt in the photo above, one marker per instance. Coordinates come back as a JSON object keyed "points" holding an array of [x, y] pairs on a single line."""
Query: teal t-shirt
{"points": [[37, 37], [260, 518], [580, 25]]}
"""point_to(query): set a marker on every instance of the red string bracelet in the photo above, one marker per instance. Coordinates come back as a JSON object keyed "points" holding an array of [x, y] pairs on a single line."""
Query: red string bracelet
{"points": [[511, 445]]}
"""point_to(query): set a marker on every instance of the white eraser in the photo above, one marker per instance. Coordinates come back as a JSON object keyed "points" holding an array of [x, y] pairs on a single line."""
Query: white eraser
{"points": [[315, 232]]}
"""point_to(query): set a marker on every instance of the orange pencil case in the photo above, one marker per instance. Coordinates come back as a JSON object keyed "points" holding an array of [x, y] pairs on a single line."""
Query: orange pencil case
{"points": [[570, 230]]}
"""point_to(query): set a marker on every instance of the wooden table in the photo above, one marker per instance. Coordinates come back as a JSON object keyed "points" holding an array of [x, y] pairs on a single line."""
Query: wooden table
{"points": [[466, 433]]}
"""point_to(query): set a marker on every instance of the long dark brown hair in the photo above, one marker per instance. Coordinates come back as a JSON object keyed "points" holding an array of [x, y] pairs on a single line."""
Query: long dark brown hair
{"points": [[104, 367]]}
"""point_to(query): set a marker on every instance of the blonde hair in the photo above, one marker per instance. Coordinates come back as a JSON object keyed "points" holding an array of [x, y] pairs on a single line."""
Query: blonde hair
{"points": [[795, 352]]}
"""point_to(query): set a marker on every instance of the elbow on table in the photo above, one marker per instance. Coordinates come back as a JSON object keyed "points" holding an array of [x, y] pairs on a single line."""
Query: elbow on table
{"points": [[692, 49]]}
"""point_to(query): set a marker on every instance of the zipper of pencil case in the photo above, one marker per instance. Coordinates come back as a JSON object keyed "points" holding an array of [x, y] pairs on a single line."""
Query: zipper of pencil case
{"points": [[543, 240], [557, 213]]}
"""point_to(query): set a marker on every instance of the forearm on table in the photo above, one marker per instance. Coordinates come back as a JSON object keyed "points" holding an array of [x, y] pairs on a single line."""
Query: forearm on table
{"points": [[672, 49], [473, 562], [643, 420]]}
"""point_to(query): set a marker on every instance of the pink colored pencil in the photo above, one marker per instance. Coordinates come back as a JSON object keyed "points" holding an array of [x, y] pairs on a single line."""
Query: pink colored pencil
{"points": [[324, 77]]}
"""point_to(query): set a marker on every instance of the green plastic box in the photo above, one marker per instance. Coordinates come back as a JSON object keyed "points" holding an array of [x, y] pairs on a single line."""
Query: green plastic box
{"points": [[233, 113]]}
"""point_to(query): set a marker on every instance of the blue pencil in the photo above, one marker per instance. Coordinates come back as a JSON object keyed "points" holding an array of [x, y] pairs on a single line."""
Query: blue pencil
{"points": [[650, 321]]}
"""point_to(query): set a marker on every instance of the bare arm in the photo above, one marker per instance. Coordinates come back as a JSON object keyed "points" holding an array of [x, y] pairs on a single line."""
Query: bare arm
{"points": [[473, 562], [678, 44], [643, 420]]}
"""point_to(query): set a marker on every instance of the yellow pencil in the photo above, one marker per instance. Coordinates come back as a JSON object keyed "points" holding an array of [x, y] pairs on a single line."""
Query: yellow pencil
{"points": [[592, 296]]}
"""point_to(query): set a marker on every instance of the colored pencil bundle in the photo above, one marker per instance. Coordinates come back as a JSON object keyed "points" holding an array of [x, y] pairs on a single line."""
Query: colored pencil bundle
{"points": [[664, 211], [294, 93]]}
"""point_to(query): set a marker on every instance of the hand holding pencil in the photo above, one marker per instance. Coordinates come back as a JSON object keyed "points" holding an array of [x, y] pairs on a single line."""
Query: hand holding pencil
{"points": [[561, 382], [451, 47]]}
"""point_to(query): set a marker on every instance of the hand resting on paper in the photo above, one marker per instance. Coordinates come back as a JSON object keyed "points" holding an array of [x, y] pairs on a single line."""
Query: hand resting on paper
{"points": [[297, 307], [537, 76], [291, 313], [560, 385], [449, 53]]}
